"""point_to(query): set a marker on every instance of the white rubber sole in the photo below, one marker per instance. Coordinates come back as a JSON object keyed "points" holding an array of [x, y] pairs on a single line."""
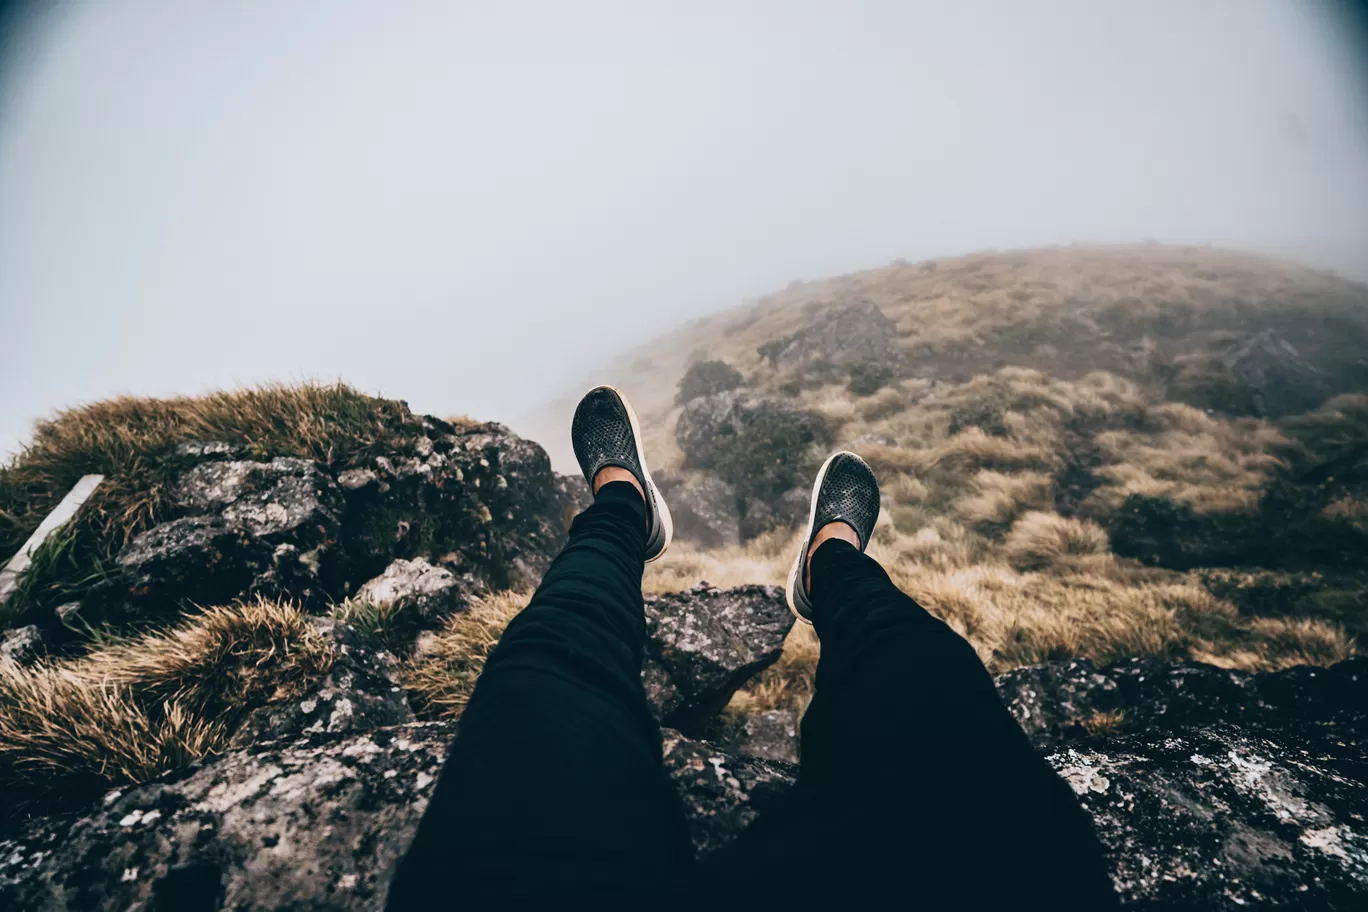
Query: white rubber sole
{"points": [[795, 577], [662, 509]]}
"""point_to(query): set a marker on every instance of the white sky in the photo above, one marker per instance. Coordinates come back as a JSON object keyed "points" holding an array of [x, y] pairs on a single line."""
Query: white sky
{"points": [[470, 205]]}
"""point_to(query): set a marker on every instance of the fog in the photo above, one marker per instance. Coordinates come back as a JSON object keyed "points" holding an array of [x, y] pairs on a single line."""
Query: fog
{"points": [[472, 205]]}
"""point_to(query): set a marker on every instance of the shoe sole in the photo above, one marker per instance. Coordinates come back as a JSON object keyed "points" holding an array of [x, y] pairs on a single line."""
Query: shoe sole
{"points": [[795, 577], [662, 508]]}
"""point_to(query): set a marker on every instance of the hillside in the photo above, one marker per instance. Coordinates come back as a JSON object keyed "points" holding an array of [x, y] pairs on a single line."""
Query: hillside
{"points": [[1085, 451]]}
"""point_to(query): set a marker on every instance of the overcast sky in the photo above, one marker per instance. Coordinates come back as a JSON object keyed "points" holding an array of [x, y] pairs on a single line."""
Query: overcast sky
{"points": [[470, 205]]}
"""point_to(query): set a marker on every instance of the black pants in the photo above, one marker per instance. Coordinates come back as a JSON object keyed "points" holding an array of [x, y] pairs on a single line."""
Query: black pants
{"points": [[916, 782]]}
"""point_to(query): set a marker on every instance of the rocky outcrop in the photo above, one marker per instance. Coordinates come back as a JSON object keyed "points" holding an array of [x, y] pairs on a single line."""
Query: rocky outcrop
{"points": [[1210, 789], [476, 502], [702, 645], [316, 823], [856, 332], [760, 446]]}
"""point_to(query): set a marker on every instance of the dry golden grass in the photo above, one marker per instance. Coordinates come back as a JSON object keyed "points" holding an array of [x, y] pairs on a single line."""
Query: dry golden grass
{"points": [[133, 709], [1040, 540], [441, 676], [998, 499]]}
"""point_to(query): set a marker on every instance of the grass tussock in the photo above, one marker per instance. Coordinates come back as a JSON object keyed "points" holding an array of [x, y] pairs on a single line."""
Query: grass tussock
{"points": [[132, 709], [441, 676], [1039, 540]]}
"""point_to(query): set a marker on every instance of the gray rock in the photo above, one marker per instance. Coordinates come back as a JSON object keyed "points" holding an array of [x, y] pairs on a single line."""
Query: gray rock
{"points": [[1281, 382], [195, 558], [316, 824], [761, 446], [281, 501], [1212, 788], [359, 693], [1261, 809], [704, 508], [722, 792], [770, 735], [207, 449], [429, 593], [21, 645], [708, 642], [478, 500], [482, 501], [264, 528], [853, 333]]}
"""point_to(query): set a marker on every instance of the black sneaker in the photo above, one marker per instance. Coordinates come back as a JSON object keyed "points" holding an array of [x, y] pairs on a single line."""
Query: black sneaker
{"points": [[845, 490], [605, 433]]}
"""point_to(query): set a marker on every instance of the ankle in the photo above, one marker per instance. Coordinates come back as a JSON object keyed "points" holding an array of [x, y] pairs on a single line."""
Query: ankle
{"points": [[838, 530], [610, 474]]}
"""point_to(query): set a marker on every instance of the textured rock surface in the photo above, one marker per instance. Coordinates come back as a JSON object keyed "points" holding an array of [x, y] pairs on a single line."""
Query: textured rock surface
{"points": [[706, 642], [1210, 789], [704, 508], [722, 792], [318, 823], [1213, 789], [477, 501], [429, 593], [770, 735], [21, 645], [359, 693]]}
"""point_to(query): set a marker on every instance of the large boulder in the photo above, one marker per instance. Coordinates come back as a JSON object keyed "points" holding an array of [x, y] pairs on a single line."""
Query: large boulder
{"points": [[761, 446], [703, 644]]}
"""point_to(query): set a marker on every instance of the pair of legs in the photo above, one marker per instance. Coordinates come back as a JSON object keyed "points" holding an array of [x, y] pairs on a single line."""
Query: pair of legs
{"points": [[917, 787]]}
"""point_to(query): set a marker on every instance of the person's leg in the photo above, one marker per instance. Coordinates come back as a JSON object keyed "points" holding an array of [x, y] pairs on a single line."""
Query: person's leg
{"points": [[916, 779], [555, 785], [917, 787]]}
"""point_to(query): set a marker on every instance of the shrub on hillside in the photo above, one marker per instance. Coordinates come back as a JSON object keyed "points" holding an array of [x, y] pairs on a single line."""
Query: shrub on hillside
{"points": [[707, 378], [762, 446], [869, 377]]}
